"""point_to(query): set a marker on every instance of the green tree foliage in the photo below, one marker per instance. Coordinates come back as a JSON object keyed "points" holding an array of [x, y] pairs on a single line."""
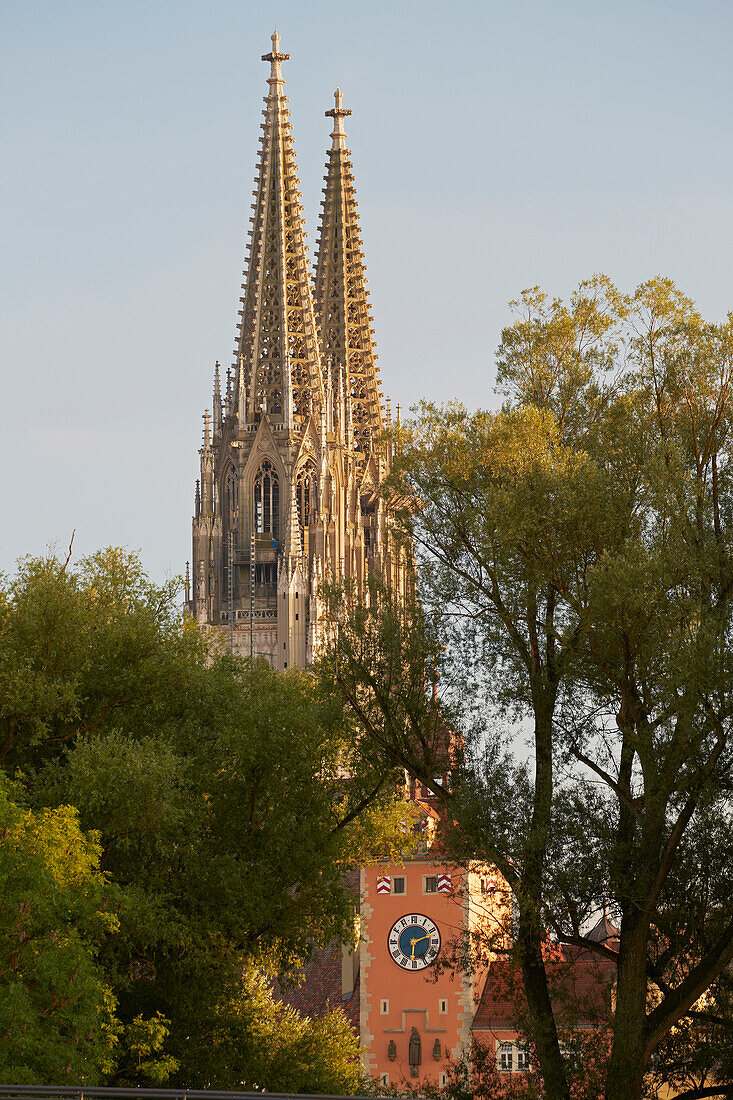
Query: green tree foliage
{"points": [[576, 548], [225, 801], [261, 1040], [138, 1052], [81, 648], [56, 1008]]}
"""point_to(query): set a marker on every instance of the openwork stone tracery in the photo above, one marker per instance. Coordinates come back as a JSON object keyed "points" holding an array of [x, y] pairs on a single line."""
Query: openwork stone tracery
{"points": [[292, 458]]}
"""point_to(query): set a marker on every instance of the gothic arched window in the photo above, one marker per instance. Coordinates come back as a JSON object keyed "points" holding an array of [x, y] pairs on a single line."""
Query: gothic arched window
{"points": [[306, 492], [231, 502], [267, 500]]}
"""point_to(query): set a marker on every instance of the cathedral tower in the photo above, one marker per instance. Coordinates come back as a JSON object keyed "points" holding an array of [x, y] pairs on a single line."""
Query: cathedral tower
{"points": [[293, 455]]}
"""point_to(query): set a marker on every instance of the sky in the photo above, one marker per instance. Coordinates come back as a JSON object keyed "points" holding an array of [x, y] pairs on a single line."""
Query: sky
{"points": [[496, 146]]}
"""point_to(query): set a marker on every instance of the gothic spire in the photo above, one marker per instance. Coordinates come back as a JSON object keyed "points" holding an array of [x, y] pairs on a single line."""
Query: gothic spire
{"points": [[341, 296], [292, 545], [217, 402], [277, 336]]}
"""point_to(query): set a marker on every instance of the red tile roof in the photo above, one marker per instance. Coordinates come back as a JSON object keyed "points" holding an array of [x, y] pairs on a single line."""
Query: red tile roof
{"points": [[580, 988], [320, 990]]}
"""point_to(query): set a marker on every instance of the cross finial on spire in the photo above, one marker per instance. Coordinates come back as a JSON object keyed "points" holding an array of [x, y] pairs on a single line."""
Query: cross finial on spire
{"points": [[338, 114], [275, 57]]}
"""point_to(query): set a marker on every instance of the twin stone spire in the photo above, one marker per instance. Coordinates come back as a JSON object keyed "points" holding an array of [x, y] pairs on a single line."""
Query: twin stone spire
{"points": [[294, 338], [294, 453]]}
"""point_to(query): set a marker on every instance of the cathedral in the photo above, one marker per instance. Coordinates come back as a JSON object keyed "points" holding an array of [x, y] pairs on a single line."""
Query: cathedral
{"points": [[294, 447]]}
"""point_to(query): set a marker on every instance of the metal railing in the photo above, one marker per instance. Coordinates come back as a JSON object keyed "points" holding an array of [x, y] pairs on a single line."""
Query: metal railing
{"points": [[90, 1092], [242, 614]]}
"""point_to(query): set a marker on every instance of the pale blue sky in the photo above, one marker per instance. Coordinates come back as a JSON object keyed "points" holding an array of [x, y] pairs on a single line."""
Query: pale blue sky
{"points": [[495, 146]]}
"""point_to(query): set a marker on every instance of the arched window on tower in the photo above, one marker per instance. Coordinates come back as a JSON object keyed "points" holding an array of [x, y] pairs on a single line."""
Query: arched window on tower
{"points": [[231, 503], [267, 501], [306, 493]]}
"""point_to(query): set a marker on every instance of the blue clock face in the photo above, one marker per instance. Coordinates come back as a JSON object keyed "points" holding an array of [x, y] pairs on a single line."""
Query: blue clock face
{"points": [[413, 942]]}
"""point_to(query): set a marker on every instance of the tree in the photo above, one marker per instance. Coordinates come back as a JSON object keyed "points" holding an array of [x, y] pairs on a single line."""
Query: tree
{"points": [[85, 649], [577, 547], [227, 799], [696, 1058], [480, 484], [231, 843], [56, 1008], [262, 1043], [657, 671]]}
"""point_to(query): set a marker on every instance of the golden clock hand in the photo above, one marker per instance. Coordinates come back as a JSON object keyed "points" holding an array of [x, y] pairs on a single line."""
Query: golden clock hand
{"points": [[418, 940]]}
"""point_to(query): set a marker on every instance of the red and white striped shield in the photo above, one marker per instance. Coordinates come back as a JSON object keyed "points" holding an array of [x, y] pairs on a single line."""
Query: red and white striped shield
{"points": [[444, 884], [384, 884]]}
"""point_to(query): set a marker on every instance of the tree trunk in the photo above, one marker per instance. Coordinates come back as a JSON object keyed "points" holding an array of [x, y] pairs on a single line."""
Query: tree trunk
{"points": [[625, 1075], [542, 1018], [627, 1063], [531, 929]]}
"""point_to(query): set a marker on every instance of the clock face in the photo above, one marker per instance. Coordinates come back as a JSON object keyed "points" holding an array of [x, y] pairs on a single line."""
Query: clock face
{"points": [[413, 942]]}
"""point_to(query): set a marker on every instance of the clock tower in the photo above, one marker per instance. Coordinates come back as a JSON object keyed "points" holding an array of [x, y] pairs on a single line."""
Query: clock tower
{"points": [[416, 1006]]}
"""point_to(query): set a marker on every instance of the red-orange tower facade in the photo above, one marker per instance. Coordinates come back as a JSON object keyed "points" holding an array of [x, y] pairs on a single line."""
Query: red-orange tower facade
{"points": [[417, 998]]}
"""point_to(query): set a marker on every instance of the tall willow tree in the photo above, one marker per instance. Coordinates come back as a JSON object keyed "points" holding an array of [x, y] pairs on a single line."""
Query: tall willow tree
{"points": [[576, 547]]}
